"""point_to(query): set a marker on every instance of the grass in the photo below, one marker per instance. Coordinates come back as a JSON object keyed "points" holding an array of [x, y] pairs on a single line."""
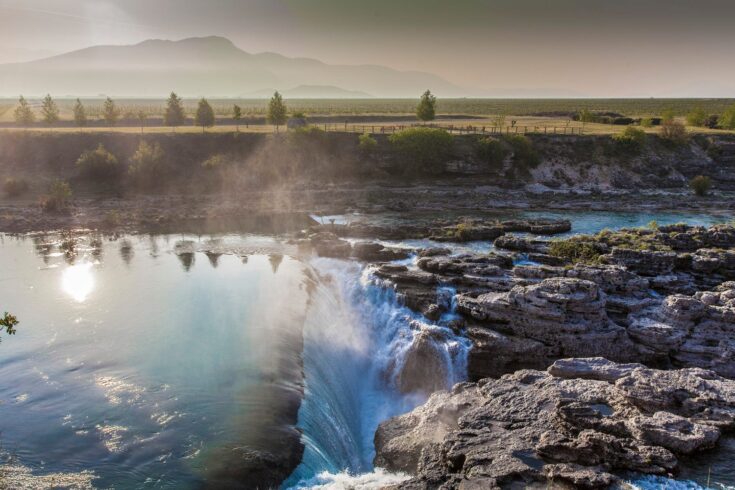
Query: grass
{"points": [[470, 106]]}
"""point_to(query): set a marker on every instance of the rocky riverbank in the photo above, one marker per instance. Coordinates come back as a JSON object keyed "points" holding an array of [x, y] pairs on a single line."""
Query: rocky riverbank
{"points": [[634, 328], [575, 425]]}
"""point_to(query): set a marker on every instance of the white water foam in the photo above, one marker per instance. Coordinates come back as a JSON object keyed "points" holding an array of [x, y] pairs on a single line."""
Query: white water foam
{"points": [[650, 482], [356, 337], [377, 478]]}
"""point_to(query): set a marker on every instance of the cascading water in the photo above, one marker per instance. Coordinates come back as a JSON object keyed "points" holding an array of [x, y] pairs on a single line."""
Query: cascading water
{"points": [[356, 340]]}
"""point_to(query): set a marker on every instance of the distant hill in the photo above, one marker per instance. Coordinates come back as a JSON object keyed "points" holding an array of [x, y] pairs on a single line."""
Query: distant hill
{"points": [[211, 66], [312, 92]]}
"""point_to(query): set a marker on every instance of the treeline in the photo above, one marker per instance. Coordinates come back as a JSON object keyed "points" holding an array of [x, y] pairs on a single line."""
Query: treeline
{"points": [[697, 117], [174, 115]]}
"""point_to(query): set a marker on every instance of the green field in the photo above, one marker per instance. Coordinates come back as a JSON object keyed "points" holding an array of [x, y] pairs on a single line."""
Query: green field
{"points": [[472, 107]]}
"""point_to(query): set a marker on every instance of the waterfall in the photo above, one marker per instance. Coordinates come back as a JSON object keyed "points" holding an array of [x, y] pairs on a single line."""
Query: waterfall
{"points": [[357, 339]]}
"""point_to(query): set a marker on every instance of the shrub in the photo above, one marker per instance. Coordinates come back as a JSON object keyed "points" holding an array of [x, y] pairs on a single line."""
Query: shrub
{"points": [[701, 185], [58, 197], [367, 144], [423, 147], [696, 117], [575, 251], [15, 187], [147, 166], [524, 154], [674, 132], [646, 122], [8, 323], [727, 119], [98, 165], [491, 151], [307, 133], [631, 138]]}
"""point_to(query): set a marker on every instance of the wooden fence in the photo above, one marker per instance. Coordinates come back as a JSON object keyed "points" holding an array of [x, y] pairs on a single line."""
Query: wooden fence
{"points": [[454, 129]]}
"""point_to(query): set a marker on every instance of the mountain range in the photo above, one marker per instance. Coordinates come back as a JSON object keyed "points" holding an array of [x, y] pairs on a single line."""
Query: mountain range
{"points": [[211, 66]]}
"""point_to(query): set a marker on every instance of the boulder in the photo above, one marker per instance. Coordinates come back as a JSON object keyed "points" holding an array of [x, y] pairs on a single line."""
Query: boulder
{"points": [[577, 425], [692, 331], [643, 262]]}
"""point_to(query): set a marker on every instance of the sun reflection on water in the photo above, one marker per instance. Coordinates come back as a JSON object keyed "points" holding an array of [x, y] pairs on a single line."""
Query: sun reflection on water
{"points": [[78, 281]]}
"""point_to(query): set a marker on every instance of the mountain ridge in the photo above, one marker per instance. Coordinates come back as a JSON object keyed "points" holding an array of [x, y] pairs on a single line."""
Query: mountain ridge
{"points": [[211, 66]]}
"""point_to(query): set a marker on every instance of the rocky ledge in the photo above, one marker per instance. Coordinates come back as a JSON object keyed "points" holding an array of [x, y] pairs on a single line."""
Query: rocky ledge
{"points": [[578, 424], [653, 304]]}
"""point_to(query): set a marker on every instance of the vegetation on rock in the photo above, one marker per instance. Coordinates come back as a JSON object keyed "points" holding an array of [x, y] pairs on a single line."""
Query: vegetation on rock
{"points": [[58, 197], [98, 165], [701, 185], [147, 166], [422, 148]]}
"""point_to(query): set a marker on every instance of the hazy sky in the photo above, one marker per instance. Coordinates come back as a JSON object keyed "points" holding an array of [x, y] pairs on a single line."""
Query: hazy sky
{"points": [[547, 47]]}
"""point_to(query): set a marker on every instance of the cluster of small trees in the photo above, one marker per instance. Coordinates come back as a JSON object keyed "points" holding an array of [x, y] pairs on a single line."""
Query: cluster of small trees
{"points": [[174, 114], [698, 117]]}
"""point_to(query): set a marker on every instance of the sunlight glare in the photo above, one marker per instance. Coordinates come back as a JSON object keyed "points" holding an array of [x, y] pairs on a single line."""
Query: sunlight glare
{"points": [[77, 281]]}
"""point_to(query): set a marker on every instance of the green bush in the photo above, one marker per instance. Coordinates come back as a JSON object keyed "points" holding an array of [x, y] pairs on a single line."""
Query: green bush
{"points": [[15, 187], [491, 151], [727, 119], [423, 148], [696, 117], [524, 154], [631, 138], [367, 144], [646, 122], [306, 133], [58, 197], [148, 166], [701, 185], [8, 323], [673, 132], [575, 251], [98, 165]]}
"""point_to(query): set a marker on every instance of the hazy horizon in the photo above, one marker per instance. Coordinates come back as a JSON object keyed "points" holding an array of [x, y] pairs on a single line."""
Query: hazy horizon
{"points": [[528, 48]]}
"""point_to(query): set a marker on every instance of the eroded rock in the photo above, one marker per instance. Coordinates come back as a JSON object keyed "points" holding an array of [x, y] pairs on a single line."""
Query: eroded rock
{"points": [[578, 424]]}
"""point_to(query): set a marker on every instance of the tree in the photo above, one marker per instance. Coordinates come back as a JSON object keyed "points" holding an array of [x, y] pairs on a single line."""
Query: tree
{"points": [[50, 110], [585, 116], [142, 116], [674, 132], [727, 119], [701, 185], [8, 323], [58, 197], [23, 113], [276, 111], [696, 117], [426, 110], [236, 116], [98, 165], [174, 115], [205, 115], [148, 166], [80, 114], [110, 112]]}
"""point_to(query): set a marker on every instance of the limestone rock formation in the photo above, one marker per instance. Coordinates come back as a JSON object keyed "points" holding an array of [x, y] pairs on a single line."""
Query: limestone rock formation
{"points": [[578, 424]]}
